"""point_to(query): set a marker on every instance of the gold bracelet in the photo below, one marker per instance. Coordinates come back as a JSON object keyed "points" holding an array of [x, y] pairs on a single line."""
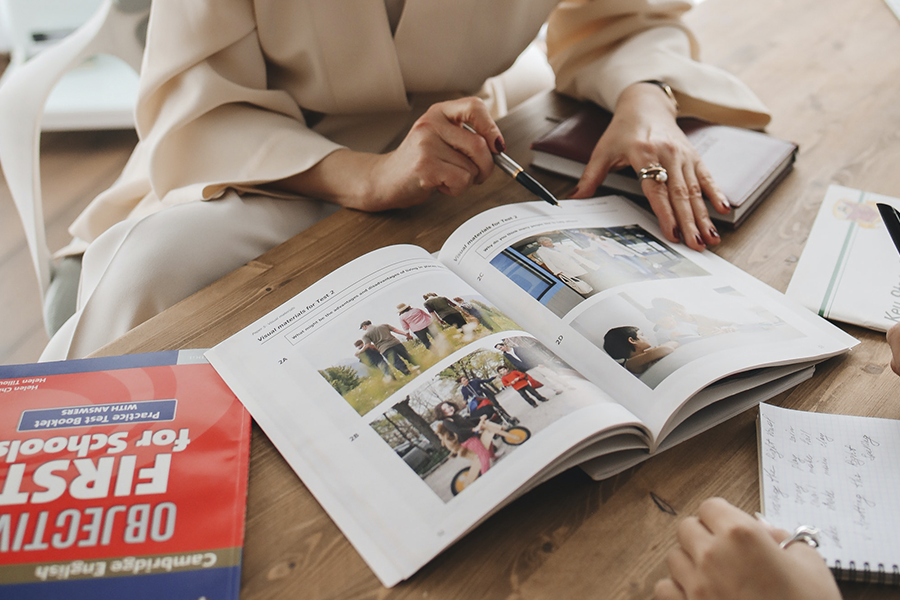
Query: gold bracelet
{"points": [[665, 88]]}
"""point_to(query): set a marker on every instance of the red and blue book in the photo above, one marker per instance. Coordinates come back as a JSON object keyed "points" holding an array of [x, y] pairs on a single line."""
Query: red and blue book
{"points": [[122, 477]]}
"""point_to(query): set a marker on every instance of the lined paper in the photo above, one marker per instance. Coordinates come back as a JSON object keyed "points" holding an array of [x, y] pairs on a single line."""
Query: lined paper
{"points": [[839, 473]]}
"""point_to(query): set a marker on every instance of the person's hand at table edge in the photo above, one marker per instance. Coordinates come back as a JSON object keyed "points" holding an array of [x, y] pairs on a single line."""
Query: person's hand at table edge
{"points": [[725, 554], [643, 134], [893, 339]]}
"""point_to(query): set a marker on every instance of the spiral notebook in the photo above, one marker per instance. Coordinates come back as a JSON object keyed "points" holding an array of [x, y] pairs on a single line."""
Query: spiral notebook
{"points": [[838, 473]]}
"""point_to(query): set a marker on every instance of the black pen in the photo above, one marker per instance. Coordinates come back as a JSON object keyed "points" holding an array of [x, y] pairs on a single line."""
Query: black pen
{"points": [[891, 218], [514, 170]]}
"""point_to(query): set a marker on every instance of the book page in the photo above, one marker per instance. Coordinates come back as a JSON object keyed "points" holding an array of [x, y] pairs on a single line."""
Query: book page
{"points": [[838, 473], [849, 270], [409, 404], [650, 322]]}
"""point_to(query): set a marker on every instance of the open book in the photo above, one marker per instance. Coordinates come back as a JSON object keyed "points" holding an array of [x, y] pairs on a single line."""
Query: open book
{"points": [[416, 395]]}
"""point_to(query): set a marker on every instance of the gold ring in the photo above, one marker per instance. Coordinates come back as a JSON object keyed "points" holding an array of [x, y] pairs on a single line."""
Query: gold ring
{"points": [[655, 172]]}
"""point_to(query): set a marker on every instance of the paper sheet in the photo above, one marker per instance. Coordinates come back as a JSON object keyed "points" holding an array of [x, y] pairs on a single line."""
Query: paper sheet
{"points": [[838, 473]]}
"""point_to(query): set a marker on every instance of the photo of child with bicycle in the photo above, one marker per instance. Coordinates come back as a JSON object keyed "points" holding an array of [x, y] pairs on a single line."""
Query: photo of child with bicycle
{"points": [[459, 424], [385, 343]]}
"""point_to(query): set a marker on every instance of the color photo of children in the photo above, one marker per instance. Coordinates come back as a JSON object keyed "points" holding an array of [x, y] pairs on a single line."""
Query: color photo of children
{"points": [[385, 342], [470, 415]]}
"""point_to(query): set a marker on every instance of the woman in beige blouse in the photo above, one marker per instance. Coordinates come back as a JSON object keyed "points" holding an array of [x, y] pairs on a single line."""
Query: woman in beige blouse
{"points": [[258, 117]]}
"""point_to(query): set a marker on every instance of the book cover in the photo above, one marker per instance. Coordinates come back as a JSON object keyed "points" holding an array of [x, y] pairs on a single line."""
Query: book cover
{"points": [[121, 477], [746, 164], [849, 270]]}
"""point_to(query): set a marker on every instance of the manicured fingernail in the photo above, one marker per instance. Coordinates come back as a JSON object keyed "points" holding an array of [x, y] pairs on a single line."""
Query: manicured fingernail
{"points": [[699, 240], [499, 144], [677, 233], [713, 233], [762, 519]]}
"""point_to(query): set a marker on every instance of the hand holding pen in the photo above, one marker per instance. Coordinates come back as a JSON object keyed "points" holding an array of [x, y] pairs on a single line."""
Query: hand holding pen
{"points": [[436, 154], [514, 170]]}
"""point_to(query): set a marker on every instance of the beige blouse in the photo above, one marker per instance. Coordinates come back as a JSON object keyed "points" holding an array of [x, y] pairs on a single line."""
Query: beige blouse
{"points": [[230, 88]]}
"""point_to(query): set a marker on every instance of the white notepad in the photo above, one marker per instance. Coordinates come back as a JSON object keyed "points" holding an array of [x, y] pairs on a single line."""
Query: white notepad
{"points": [[849, 270], [838, 473]]}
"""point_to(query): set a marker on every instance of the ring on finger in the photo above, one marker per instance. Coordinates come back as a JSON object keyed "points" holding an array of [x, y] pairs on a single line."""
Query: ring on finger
{"points": [[806, 534], [655, 172]]}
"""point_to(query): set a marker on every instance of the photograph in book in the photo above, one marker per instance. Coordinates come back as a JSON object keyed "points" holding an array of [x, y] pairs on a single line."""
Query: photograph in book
{"points": [[387, 341], [653, 332], [560, 268], [486, 411], [464, 419]]}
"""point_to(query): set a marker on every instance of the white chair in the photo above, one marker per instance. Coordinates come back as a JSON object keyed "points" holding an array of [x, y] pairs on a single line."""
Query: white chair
{"points": [[118, 29]]}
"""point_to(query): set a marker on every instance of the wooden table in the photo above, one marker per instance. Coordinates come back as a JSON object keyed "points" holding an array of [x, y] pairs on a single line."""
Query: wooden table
{"points": [[828, 70]]}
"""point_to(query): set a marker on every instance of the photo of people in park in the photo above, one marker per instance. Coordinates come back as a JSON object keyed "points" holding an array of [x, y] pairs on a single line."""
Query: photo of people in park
{"points": [[653, 332], [561, 268], [390, 339], [458, 424]]}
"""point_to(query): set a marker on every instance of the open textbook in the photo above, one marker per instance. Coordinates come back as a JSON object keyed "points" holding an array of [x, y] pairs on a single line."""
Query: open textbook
{"points": [[416, 395]]}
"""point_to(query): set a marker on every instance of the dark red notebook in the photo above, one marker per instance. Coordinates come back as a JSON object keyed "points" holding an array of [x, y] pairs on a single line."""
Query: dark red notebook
{"points": [[746, 164]]}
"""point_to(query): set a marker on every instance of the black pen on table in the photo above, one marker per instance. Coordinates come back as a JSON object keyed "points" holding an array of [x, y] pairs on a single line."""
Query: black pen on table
{"points": [[514, 170], [891, 218]]}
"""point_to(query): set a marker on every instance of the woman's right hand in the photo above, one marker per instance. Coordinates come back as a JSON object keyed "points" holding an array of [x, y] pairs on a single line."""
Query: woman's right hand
{"points": [[436, 155], [723, 553]]}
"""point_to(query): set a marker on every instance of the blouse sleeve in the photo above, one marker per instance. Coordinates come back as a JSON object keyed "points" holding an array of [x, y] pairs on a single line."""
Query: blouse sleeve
{"points": [[205, 114], [599, 47]]}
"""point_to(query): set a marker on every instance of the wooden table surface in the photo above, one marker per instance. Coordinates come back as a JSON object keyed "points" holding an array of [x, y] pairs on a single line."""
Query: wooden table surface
{"points": [[829, 71]]}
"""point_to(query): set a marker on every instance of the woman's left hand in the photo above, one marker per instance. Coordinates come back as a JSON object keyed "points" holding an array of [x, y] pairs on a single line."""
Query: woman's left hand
{"points": [[643, 132], [893, 339]]}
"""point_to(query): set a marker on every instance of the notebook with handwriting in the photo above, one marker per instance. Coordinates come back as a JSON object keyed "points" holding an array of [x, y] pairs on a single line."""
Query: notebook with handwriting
{"points": [[841, 474]]}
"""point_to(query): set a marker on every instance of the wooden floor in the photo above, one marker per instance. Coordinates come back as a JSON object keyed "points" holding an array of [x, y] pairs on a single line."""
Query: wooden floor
{"points": [[75, 167]]}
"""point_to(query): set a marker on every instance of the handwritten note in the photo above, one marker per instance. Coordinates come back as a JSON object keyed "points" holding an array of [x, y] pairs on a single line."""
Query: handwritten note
{"points": [[836, 472]]}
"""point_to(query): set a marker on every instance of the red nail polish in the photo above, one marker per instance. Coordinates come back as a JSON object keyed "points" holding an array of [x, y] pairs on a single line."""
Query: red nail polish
{"points": [[713, 232], [677, 233], [699, 240], [499, 144]]}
